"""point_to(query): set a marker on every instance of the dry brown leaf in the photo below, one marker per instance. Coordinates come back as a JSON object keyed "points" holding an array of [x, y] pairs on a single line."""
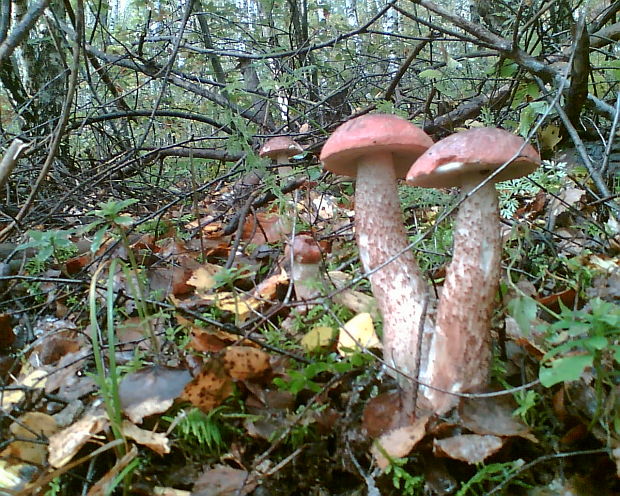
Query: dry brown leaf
{"points": [[469, 448], [65, 444], [31, 425], [354, 300], [398, 442], [493, 416], [567, 198], [170, 280], [224, 481], [382, 414], [265, 228], [268, 288], [244, 362], [156, 441], [241, 305], [210, 387], [151, 390]]}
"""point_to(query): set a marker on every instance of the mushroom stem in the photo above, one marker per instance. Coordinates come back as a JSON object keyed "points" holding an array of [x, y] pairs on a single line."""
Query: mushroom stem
{"points": [[306, 278], [398, 286], [460, 351], [284, 171]]}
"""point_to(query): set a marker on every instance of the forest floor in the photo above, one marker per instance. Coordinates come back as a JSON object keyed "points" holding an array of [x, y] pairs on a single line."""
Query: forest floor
{"points": [[226, 379]]}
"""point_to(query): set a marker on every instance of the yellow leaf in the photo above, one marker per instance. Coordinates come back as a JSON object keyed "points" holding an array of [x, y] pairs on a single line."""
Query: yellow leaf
{"points": [[203, 277], [356, 333], [241, 306], [549, 137], [317, 337], [35, 379]]}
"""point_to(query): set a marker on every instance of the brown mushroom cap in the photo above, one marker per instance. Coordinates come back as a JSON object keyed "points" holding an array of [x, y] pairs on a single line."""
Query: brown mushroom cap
{"points": [[475, 151], [374, 133], [280, 146], [306, 250]]}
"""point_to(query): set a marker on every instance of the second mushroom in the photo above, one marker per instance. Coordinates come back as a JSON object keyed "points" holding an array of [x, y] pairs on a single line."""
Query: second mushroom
{"points": [[459, 355]]}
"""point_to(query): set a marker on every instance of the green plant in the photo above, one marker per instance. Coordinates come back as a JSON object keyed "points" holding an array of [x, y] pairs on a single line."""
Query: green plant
{"points": [[107, 380], [54, 487], [493, 473], [50, 244], [303, 378], [408, 484], [111, 217], [550, 176], [201, 430], [527, 401], [582, 339]]}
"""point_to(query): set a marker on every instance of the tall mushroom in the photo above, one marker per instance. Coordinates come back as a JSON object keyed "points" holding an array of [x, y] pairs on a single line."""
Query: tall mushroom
{"points": [[281, 149], [377, 149], [460, 351]]}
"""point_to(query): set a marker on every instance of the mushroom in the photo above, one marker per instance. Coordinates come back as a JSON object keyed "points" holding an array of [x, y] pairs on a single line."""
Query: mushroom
{"points": [[377, 149], [281, 149], [306, 265], [460, 351]]}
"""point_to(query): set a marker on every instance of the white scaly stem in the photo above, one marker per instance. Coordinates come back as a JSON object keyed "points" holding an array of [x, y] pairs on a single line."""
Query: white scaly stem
{"points": [[460, 351], [306, 278], [398, 287]]}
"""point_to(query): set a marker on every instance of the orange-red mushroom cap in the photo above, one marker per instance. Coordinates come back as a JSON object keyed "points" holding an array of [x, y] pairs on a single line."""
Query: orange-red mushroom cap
{"points": [[475, 151], [374, 133]]}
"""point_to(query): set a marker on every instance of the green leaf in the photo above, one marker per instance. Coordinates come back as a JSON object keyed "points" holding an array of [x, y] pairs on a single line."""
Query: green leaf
{"points": [[98, 239], [564, 370], [431, 74], [523, 310]]}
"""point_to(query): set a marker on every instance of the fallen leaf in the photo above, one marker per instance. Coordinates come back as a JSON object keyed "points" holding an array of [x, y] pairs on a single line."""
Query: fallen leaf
{"points": [[398, 442], [268, 289], [32, 425], [208, 339], [358, 333], [210, 387], [567, 198], [164, 281], [317, 338], [352, 299], [224, 481], [493, 416], [203, 278], [265, 228], [469, 448], [156, 441], [241, 305], [35, 379], [65, 444], [244, 362], [151, 390], [382, 414]]}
